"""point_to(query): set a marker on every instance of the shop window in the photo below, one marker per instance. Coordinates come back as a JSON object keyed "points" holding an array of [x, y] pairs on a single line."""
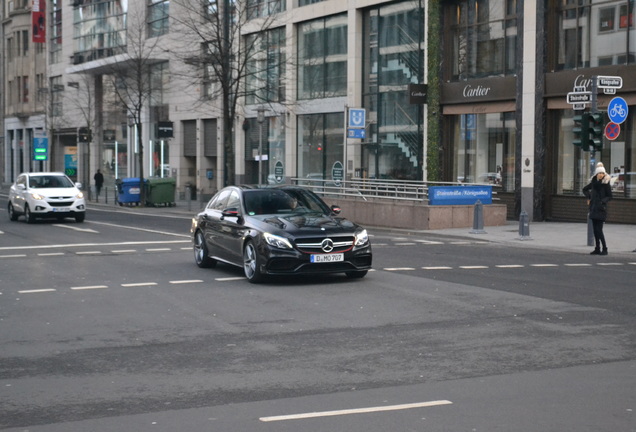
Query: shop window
{"points": [[484, 149]]}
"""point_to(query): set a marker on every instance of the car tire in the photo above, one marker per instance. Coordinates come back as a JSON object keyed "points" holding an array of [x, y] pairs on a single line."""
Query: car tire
{"points": [[251, 263], [13, 216], [201, 254], [356, 274], [28, 215], [79, 217]]}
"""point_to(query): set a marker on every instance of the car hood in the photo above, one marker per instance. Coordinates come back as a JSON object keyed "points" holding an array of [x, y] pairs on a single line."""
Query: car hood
{"points": [[309, 223], [55, 192]]}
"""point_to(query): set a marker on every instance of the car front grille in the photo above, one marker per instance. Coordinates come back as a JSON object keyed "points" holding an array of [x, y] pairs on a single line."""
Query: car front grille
{"points": [[54, 203], [325, 244]]}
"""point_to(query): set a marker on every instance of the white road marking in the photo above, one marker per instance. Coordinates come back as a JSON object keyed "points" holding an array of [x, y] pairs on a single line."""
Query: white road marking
{"points": [[430, 242], [610, 264], [186, 248], [141, 229], [139, 284], [51, 254], [510, 266], [72, 227], [544, 265], [578, 265], [13, 256], [476, 267], [228, 279], [437, 268], [459, 242], [89, 287], [399, 268], [88, 252], [124, 250], [157, 249], [355, 411], [186, 281], [404, 244], [154, 242], [36, 291]]}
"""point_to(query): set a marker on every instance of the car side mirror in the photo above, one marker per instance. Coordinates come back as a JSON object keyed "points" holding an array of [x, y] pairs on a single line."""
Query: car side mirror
{"points": [[21, 186], [230, 212], [78, 185], [336, 209]]}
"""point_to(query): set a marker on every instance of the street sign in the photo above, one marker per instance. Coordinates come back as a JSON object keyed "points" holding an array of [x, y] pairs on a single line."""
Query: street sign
{"points": [[612, 131], [578, 107], [337, 172], [617, 110], [40, 148], [579, 97], [356, 133], [610, 82], [357, 117], [279, 172]]}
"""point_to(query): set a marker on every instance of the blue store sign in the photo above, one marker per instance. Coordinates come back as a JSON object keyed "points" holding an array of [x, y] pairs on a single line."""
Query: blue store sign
{"points": [[459, 195]]}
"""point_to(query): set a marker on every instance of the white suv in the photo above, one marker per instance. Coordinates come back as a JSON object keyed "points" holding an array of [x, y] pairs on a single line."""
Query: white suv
{"points": [[46, 195]]}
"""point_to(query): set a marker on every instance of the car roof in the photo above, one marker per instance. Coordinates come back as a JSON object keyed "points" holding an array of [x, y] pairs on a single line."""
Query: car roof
{"points": [[47, 173]]}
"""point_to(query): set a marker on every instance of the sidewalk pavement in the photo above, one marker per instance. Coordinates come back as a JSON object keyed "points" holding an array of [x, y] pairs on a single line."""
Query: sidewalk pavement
{"points": [[564, 236]]}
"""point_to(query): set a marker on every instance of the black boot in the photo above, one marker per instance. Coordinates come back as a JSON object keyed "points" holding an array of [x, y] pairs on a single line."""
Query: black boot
{"points": [[604, 252], [596, 251]]}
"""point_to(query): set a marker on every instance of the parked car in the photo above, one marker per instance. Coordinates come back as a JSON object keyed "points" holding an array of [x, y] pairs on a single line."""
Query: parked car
{"points": [[278, 230], [46, 195]]}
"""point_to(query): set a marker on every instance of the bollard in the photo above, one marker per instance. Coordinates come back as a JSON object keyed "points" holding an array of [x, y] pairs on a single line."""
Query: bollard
{"points": [[189, 197], [478, 219], [590, 231], [524, 226], [106, 195]]}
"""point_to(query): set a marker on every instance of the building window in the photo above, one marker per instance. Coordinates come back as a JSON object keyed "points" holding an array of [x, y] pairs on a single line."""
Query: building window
{"points": [[263, 8], [483, 38], [158, 15], [591, 35], [484, 149], [573, 166], [99, 30], [319, 145], [266, 67], [25, 43], [322, 58], [56, 91], [394, 53], [55, 43]]}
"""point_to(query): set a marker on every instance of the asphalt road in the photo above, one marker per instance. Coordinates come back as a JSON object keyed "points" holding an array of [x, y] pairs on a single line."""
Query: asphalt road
{"points": [[109, 325]]}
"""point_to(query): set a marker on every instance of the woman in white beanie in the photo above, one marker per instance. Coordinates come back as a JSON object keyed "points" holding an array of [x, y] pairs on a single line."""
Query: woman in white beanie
{"points": [[598, 193]]}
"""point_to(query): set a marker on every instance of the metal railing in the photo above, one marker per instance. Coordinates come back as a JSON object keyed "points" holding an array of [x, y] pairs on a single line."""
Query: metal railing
{"points": [[398, 190]]}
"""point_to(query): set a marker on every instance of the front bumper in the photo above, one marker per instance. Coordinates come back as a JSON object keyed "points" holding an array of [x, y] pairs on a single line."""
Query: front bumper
{"points": [[43, 208]]}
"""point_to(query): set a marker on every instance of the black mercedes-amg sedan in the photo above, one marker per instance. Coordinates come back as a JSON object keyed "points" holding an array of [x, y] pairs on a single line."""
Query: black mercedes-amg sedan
{"points": [[278, 230]]}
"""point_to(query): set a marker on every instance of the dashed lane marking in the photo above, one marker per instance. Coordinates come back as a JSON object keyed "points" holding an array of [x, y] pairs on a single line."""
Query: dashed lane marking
{"points": [[124, 251], [157, 249], [88, 253], [544, 265], [476, 267], [404, 244], [13, 256], [89, 287], [34, 291], [510, 266], [437, 268], [227, 279], [399, 268], [51, 254], [610, 264], [74, 228], [139, 284], [355, 411], [578, 265], [186, 281]]}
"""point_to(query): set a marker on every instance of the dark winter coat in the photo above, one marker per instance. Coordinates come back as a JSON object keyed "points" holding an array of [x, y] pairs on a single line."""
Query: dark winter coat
{"points": [[598, 192]]}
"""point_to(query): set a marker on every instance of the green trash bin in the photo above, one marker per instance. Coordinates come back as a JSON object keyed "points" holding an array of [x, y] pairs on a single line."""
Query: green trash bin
{"points": [[160, 191]]}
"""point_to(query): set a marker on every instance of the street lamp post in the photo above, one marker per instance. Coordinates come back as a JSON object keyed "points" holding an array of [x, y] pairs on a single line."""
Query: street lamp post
{"points": [[260, 111]]}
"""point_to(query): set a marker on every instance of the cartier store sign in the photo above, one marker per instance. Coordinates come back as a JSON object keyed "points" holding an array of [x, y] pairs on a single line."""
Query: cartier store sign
{"points": [[479, 90]]}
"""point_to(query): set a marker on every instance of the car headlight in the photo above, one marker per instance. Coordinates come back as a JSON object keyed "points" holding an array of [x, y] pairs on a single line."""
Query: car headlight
{"points": [[277, 241], [362, 238], [79, 195], [37, 196]]}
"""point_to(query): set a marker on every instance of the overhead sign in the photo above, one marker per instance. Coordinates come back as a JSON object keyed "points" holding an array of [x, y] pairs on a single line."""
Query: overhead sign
{"points": [[357, 117], [617, 110], [579, 97], [612, 131]]}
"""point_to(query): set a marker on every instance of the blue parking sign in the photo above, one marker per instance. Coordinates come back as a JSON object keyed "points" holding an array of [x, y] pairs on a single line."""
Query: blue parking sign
{"points": [[617, 110], [357, 117]]}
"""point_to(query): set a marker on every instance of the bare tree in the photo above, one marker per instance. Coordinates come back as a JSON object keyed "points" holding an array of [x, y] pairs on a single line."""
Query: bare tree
{"points": [[130, 77], [220, 54]]}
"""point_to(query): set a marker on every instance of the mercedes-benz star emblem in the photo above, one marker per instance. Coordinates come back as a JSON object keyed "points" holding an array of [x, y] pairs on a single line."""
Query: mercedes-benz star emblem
{"points": [[327, 245]]}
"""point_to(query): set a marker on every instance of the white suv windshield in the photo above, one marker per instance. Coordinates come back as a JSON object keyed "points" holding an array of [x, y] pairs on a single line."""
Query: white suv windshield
{"points": [[49, 181]]}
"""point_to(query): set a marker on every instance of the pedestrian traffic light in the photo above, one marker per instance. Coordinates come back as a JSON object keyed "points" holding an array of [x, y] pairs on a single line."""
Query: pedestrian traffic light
{"points": [[596, 128], [581, 131]]}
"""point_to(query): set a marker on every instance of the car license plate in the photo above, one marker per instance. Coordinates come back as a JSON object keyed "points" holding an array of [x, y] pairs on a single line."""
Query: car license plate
{"points": [[326, 258], [57, 209]]}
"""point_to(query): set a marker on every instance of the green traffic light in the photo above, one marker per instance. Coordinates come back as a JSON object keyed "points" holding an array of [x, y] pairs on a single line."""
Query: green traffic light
{"points": [[581, 131]]}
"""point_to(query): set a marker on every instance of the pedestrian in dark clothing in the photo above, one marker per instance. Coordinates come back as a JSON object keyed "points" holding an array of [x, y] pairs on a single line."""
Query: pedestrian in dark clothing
{"points": [[99, 182], [598, 193]]}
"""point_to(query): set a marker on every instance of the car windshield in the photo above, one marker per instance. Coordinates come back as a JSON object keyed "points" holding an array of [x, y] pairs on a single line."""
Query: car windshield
{"points": [[49, 181], [282, 201]]}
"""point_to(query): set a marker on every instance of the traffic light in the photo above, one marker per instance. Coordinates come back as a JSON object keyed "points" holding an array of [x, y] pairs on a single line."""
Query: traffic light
{"points": [[596, 128], [84, 134], [581, 131]]}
